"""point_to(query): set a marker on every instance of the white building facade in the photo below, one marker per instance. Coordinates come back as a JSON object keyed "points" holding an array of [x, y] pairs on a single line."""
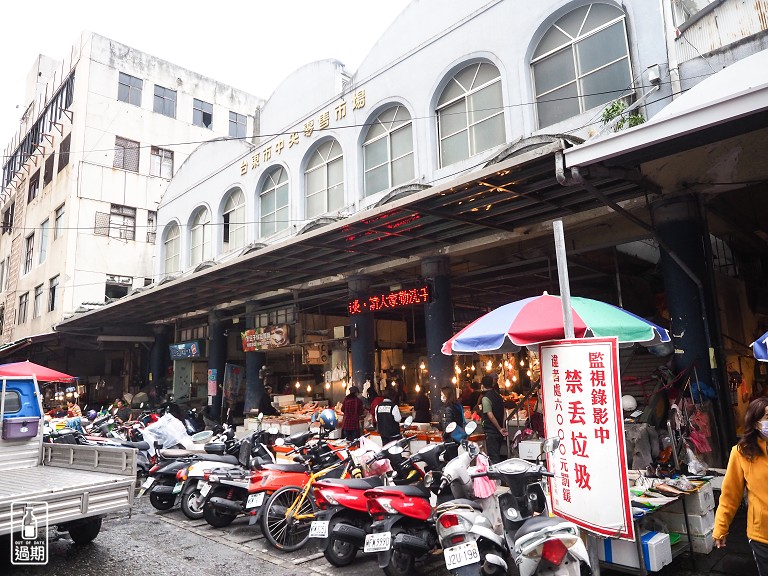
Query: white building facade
{"points": [[101, 138]]}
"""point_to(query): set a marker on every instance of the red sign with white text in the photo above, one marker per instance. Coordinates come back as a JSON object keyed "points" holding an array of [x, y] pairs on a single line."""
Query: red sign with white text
{"points": [[581, 392]]}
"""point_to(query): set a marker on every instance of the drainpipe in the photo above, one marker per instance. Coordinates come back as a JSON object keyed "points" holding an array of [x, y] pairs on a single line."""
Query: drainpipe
{"points": [[670, 33]]}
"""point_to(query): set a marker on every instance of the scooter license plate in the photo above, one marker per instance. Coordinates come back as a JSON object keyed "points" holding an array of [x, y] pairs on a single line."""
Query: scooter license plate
{"points": [[200, 484], [205, 489], [148, 483], [318, 529], [461, 555], [178, 487], [378, 542], [255, 500]]}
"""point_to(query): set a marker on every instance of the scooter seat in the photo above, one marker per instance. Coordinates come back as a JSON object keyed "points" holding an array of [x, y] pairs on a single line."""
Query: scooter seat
{"points": [[285, 467], [222, 458], [408, 490], [173, 453], [537, 523], [355, 483], [138, 445], [458, 502]]}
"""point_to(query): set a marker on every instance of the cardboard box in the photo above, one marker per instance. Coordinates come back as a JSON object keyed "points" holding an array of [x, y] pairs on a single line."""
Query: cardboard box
{"points": [[698, 523], [530, 449], [697, 503], [657, 551]]}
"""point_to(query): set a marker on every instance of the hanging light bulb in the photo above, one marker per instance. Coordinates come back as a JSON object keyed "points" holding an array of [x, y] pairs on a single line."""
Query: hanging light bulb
{"points": [[507, 365], [298, 385], [402, 367], [500, 364], [507, 383], [522, 362], [422, 366], [528, 373], [453, 379], [327, 385], [417, 388], [514, 378], [489, 366], [456, 369], [309, 388]]}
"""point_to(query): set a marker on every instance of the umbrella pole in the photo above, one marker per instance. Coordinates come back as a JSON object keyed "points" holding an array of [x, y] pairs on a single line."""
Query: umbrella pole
{"points": [[565, 298], [562, 274]]}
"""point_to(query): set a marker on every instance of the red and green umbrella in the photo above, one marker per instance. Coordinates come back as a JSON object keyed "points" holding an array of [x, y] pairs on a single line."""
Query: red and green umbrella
{"points": [[540, 319]]}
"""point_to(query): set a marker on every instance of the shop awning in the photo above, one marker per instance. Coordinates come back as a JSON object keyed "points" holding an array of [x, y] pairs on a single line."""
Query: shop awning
{"points": [[482, 208], [17, 345]]}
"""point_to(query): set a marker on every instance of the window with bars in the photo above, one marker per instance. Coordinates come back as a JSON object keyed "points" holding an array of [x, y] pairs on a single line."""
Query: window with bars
{"points": [[8, 218], [161, 162], [34, 187], [165, 101], [129, 89], [37, 303], [151, 226], [29, 249], [50, 163], [202, 113], [238, 125], [126, 154], [119, 223], [64, 152]]}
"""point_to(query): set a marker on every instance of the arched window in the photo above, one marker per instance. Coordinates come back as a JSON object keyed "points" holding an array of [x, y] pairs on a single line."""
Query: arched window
{"points": [[388, 150], [470, 113], [200, 237], [172, 247], [233, 230], [324, 180], [274, 202], [581, 62]]}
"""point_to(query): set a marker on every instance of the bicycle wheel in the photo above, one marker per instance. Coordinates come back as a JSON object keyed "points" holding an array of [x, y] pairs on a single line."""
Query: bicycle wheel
{"points": [[284, 533]]}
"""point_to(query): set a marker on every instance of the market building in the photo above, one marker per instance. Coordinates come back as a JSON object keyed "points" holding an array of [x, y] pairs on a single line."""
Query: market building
{"points": [[82, 181], [380, 211]]}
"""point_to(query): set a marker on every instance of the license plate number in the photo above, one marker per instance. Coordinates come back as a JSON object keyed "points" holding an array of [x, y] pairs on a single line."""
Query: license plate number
{"points": [[179, 486], [318, 529], [205, 489], [461, 555], [379, 542], [255, 500]]}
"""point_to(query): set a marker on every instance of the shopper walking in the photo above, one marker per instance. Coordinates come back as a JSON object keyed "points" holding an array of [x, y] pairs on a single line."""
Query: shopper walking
{"points": [[494, 427], [748, 468], [421, 407], [353, 410], [388, 417], [453, 411]]}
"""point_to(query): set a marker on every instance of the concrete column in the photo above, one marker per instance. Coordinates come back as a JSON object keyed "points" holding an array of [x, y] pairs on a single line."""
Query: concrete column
{"points": [[158, 361], [439, 326], [691, 303], [362, 334], [254, 385], [217, 358]]}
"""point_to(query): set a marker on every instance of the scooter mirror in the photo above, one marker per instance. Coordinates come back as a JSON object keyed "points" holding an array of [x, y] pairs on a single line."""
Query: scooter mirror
{"points": [[314, 417], [550, 445], [408, 421], [470, 427], [450, 428], [260, 417], [280, 442], [395, 450]]}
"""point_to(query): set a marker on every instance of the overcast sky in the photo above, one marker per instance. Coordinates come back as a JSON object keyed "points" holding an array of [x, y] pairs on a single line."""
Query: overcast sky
{"points": [[251, 45]]}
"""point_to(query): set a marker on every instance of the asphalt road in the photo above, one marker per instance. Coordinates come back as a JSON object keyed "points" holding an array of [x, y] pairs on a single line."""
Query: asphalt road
{"points": [[151, 542]]}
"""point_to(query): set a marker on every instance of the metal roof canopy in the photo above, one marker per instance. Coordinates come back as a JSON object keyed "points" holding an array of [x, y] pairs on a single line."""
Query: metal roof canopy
{"points": [[514, 192]]}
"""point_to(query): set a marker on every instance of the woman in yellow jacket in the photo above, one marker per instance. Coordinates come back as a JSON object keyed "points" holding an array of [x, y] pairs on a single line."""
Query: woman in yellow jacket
{"points": [[748, 468]]}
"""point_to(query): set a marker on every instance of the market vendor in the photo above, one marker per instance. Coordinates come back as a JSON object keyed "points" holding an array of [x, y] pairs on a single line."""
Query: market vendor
{"points": [[122, 412], [73, 410]]}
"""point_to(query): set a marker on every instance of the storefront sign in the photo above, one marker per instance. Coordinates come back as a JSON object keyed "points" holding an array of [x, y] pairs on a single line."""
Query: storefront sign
{"points": [[392, 299], [581, 391], [266, 338], [183, 350], [212, 383]]}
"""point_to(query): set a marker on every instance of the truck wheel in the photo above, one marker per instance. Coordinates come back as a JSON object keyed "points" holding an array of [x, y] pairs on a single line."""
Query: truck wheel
{"points": [[85, 532], [161, 502]]}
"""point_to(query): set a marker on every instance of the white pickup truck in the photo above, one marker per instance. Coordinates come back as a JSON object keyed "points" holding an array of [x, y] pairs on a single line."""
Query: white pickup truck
{"points": [[65, 485]]}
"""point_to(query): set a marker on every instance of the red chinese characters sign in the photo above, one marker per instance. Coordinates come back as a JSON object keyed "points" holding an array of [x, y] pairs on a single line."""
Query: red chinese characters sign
{"points": [[393, 299], [581, 390]]}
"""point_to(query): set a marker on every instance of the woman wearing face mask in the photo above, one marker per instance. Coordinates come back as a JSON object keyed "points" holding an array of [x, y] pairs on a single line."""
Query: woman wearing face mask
{"points": [[453, 411], [748, 468]]}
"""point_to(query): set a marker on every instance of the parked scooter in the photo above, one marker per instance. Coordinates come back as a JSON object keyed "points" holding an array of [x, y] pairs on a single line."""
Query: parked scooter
{"points": [[535, 542], [403, 528]]}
